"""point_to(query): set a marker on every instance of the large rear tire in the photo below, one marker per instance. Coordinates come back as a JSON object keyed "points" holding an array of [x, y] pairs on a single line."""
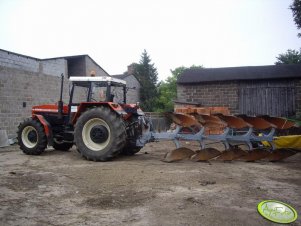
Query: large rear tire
{"points": [[99, 134], [31, 137]]}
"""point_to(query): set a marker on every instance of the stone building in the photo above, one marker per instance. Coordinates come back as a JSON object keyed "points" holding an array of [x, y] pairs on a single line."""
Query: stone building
{"points": [[274, 90], [27, 81]]}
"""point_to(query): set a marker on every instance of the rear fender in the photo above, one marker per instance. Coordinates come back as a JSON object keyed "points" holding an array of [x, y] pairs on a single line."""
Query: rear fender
{"points": [[47, 128], [84, 106]]}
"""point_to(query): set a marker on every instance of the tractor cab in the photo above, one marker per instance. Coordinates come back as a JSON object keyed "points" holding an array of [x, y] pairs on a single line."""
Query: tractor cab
{"points": [[103, 85], [86, 92]]}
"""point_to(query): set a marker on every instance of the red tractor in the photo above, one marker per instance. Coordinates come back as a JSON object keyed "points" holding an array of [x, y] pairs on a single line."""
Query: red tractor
{"points": [[103, 129], [99, 129]]}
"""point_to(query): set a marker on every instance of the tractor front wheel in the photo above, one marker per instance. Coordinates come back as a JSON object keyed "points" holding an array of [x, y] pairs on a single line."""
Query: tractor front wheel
{"points": [[99, 134], [31, 137]]}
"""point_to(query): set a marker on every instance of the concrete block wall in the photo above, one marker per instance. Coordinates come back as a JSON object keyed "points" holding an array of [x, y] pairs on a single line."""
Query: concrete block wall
{"points": [[90, 65], [133, 95], [217, 94], [20, 90], [53, 67], [11, 60]]}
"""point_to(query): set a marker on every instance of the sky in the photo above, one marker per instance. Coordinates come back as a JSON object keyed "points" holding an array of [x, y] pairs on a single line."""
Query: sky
{"points": [[212, 33]]}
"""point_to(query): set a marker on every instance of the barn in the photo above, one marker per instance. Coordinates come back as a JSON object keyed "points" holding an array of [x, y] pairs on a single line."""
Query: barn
{"points": [[254, 90]]}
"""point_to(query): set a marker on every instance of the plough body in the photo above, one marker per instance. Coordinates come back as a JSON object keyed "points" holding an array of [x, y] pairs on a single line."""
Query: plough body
{"points": [[256, 134]]}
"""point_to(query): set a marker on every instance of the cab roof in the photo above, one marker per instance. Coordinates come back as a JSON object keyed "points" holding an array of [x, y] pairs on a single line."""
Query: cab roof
{"points": [[100, 80]]}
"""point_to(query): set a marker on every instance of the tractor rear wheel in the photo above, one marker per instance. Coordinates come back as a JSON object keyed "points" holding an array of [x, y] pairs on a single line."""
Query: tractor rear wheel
{"points": [[61, 146], [99, 134], [31, 137]]}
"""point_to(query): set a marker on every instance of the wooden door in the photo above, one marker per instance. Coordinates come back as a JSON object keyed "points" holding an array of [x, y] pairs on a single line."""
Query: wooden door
{"points": [[274, 98]]}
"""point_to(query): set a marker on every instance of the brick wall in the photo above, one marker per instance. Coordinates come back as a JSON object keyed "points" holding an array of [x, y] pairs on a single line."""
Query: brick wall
{"points": [[223, 94]]}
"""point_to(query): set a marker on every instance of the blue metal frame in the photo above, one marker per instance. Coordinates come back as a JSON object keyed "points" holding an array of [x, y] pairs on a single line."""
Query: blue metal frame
{"points": [[226, 137]]}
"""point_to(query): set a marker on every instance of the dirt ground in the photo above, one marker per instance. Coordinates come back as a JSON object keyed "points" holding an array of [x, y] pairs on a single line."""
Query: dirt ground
{"points": [[61, 188]]}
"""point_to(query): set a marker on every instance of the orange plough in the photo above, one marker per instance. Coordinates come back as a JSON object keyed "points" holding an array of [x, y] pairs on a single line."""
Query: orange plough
{"points": [[250, 132]]}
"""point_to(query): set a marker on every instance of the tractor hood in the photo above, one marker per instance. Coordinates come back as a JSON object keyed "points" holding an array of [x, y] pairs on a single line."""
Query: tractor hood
{"points": [[51, 108]]}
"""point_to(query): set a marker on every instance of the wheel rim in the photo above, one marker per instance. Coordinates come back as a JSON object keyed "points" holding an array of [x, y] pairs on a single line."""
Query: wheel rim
{"points": [[96, 134], [29, 137]]}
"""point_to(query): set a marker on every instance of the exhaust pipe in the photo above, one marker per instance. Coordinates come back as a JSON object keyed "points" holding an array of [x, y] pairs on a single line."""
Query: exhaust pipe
{"points": [[60, 102]]}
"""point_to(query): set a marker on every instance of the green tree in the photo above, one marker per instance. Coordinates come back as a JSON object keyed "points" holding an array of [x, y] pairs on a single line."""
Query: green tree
{"points": [[290, 57], [147, 75], [168, 90], [296, 9]]}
